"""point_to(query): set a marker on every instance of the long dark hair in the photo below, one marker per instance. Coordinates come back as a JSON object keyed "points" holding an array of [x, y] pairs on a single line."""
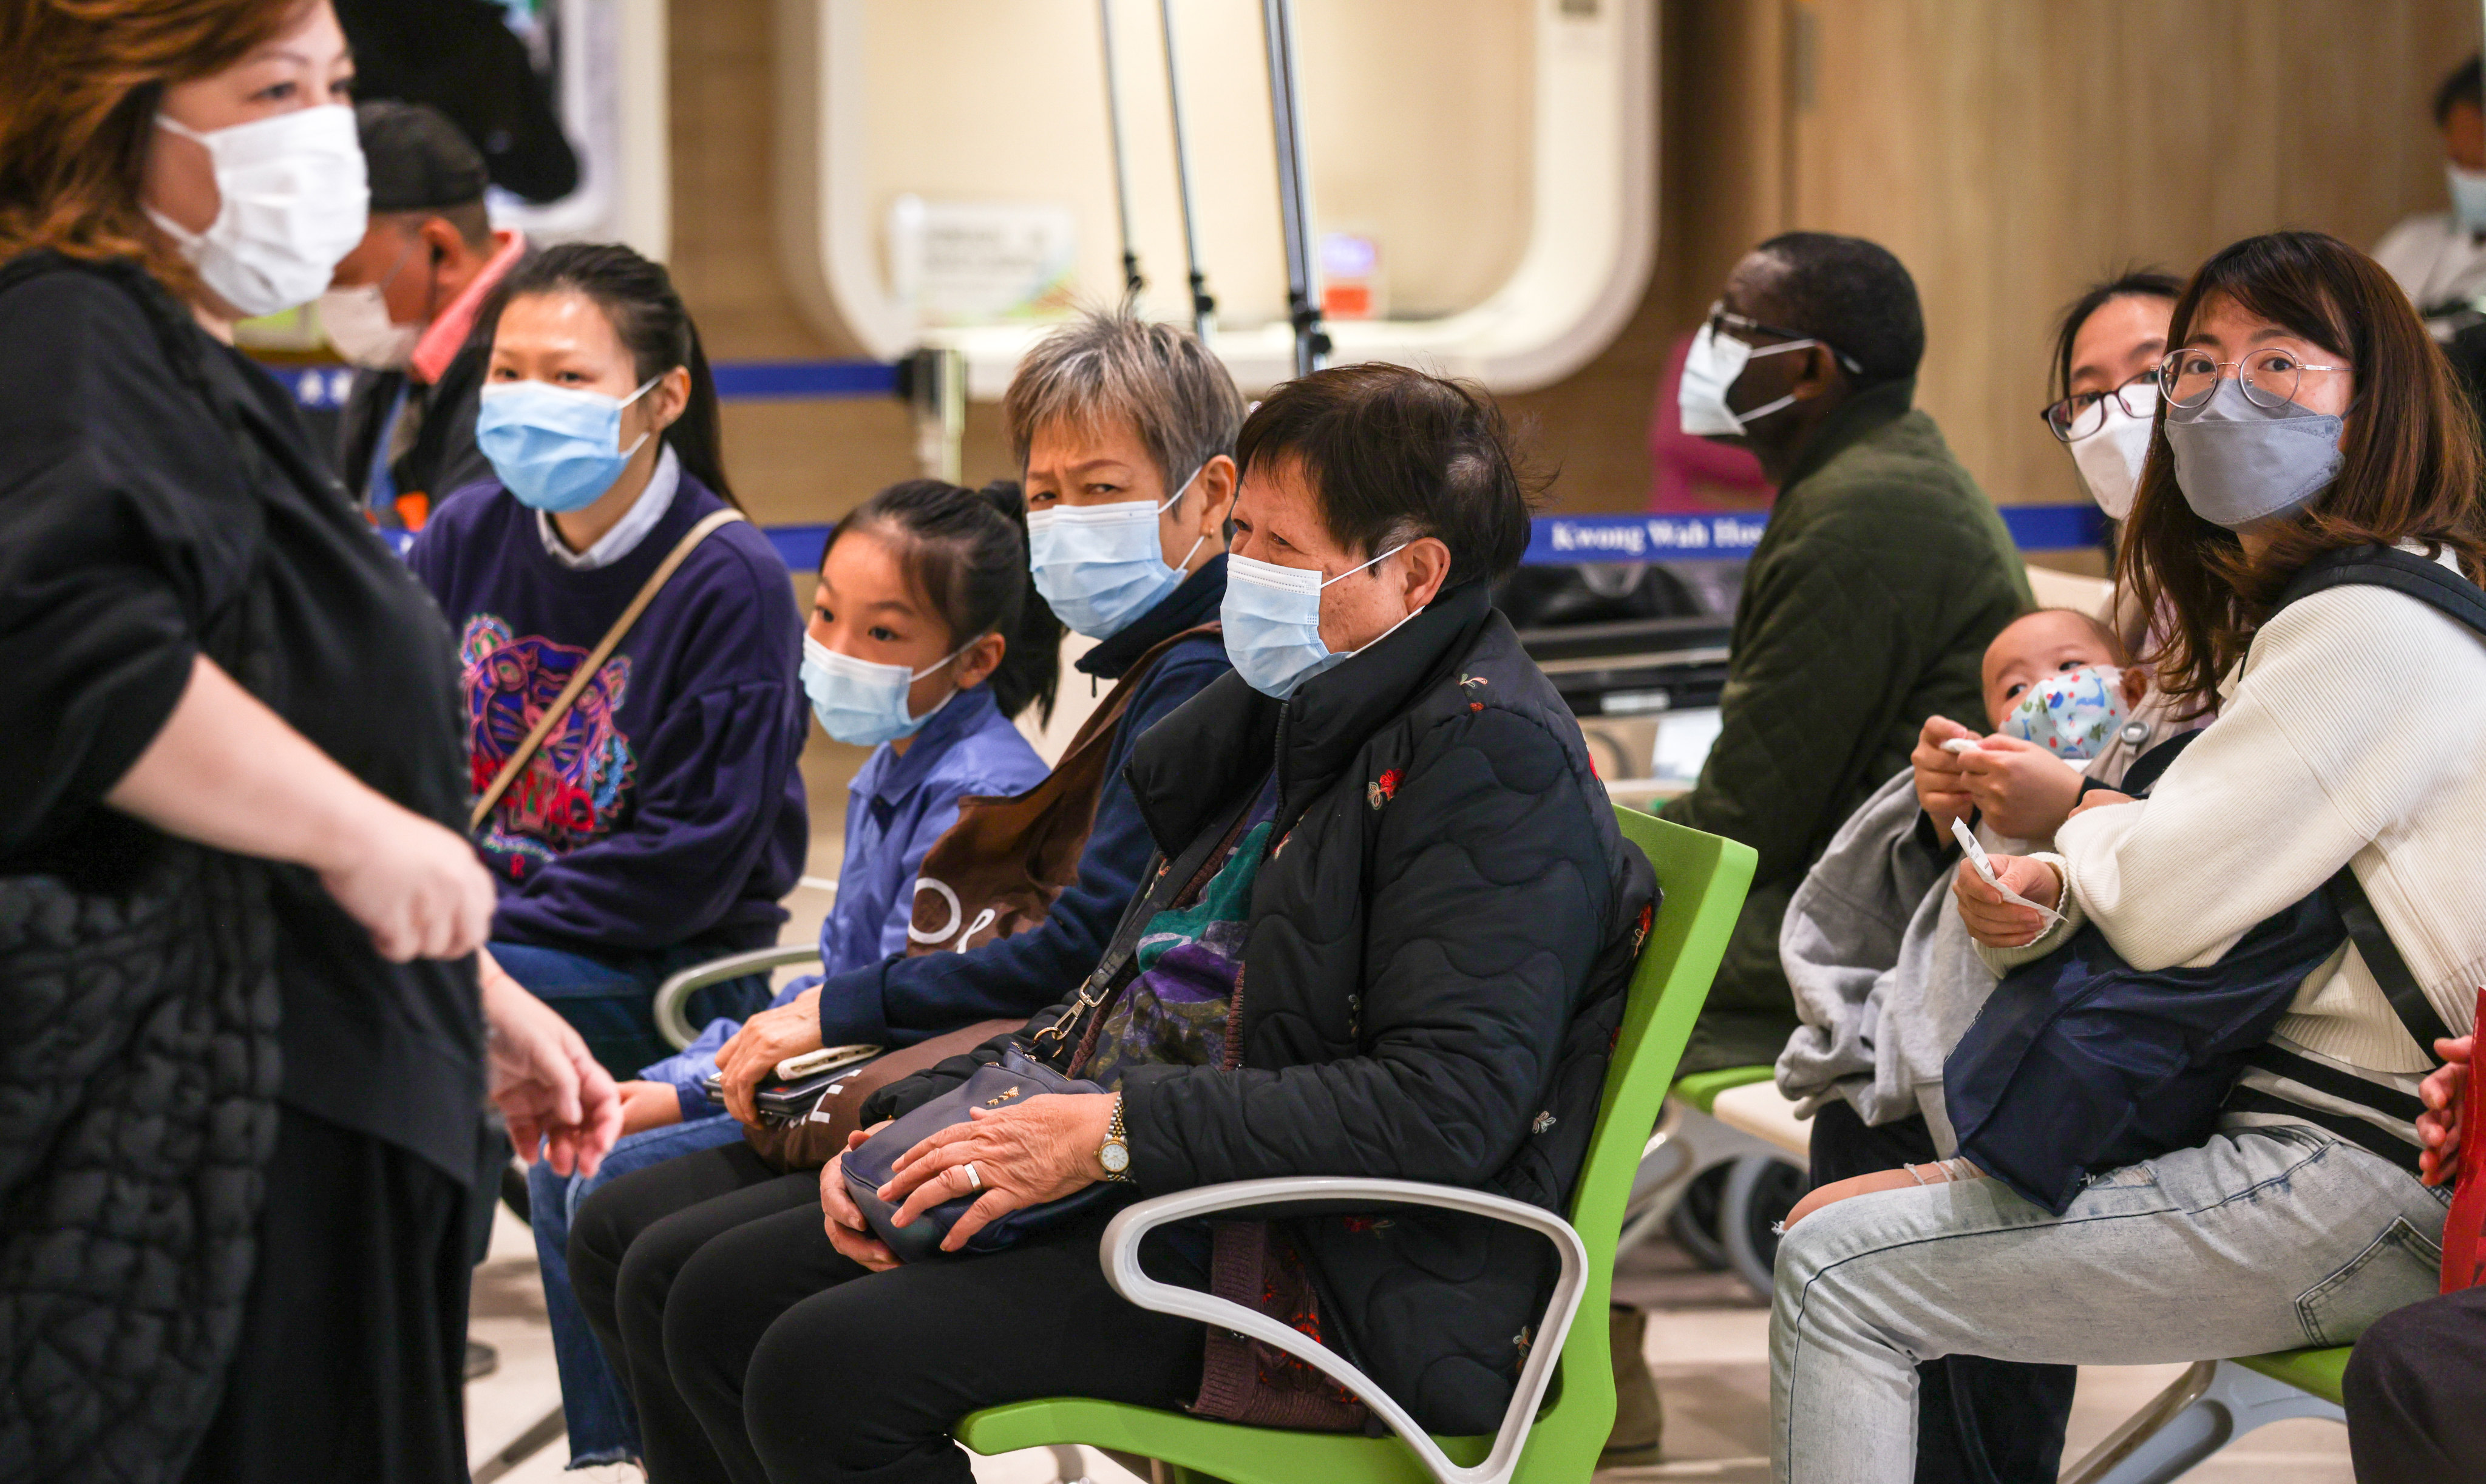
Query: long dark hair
{"points": [[2411, 469], [638, 298], [965, 550], [2146, 283]]}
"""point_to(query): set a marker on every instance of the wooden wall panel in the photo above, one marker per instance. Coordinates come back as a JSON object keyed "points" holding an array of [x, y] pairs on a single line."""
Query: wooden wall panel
{"points": [[2012, 152], [2008, 151]]}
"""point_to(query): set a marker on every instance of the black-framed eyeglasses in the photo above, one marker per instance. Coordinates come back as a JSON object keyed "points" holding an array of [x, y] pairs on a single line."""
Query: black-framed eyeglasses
{"points": [[2083, 413], [1722, 319]]}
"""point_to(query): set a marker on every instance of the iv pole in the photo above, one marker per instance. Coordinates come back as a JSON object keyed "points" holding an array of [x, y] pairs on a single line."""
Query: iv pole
{"points": [[1132, 281], [1203, 308], [1295, 205]]}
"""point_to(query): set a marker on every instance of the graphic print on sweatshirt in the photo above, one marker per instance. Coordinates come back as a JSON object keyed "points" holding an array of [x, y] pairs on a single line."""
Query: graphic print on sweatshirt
{"points": [[576, 785]]}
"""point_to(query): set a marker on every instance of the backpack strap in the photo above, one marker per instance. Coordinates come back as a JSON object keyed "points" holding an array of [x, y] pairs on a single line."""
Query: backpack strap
{"points": [[2422, 578], [2384, 962], [2439, 586]]}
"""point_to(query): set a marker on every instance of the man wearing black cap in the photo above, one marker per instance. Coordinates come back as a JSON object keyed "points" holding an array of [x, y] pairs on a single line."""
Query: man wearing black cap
{"points": [[401, 307]]}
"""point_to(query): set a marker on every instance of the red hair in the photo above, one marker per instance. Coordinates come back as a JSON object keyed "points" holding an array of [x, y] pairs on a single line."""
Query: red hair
{"points": [[78, 117]]}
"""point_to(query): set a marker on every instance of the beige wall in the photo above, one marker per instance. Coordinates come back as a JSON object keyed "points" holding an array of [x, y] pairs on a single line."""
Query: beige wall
{"points": [[2008, 151]]}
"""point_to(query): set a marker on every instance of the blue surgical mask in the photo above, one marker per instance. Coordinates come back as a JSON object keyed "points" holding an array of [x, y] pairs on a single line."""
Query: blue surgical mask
{"points": [[1099, 566], [1272, 621], [555, 448], [861, 704]]}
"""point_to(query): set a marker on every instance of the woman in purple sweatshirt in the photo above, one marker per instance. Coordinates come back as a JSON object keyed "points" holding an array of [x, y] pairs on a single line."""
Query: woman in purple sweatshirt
{"points": [[663, 818]]}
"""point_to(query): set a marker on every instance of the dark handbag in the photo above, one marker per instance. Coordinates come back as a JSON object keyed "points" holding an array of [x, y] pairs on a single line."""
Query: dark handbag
{"points": [[2080, 1063], [1014, 1079]]}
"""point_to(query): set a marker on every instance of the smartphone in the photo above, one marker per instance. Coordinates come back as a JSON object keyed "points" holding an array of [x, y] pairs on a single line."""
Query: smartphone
{"points": [[826, 1058]]}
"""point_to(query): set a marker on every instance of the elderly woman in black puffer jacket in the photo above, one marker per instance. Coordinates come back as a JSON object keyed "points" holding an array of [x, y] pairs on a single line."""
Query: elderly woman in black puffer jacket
{"points": [[1390, 937]]}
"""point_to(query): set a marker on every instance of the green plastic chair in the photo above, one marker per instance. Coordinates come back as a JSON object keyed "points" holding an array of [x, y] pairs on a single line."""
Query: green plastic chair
{"points": [[1701, 1090], [1705, 879], [2208, 1406]]}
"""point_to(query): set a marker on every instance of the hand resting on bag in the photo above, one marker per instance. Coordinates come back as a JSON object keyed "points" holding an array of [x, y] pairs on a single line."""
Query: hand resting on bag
{"points": [[1025, 1154], [765, 1039], [848, 1232], [2440, 1092]]}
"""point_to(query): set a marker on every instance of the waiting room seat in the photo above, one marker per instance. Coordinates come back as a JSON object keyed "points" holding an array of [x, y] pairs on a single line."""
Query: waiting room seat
{"points": [[675, 994], [2210, 1406], [1705, 879]]}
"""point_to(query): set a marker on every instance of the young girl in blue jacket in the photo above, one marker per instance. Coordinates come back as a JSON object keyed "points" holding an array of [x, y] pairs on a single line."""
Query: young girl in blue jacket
{"points": [[925, 637]]}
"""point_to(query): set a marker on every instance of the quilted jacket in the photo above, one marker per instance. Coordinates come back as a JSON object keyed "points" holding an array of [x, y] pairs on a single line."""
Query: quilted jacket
{"points": [[1865, 608], [1439, 945], [138, 1072]]}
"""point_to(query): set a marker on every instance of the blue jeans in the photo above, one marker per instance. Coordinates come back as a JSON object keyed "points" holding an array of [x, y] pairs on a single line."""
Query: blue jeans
{"points": [[2260, 1239], [603, 1429], [610, 998]]}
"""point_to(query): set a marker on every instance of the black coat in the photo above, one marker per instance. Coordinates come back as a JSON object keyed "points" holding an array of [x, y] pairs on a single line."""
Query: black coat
{"points": [[1439, 947]]}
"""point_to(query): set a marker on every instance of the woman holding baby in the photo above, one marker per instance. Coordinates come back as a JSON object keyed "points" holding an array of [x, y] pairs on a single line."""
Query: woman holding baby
{"points": [[2305, 413]]}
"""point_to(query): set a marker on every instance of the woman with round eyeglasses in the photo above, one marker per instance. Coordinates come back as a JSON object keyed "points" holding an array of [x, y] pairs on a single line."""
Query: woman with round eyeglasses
{"points": [[2306, 415]]}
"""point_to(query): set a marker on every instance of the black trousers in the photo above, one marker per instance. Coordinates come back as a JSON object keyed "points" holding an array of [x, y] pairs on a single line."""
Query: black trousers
{"points": [[352, 1356], [1978, 1420], [755, 1353], [2417, 1395]]}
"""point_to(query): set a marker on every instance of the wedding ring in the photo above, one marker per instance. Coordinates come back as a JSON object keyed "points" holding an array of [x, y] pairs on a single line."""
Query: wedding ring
{"points": [[975, 1181]]}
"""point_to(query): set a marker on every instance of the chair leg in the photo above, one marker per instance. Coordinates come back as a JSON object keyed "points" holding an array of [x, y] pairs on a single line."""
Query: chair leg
{"points": [[1070, 1466], [2208, 1406]]}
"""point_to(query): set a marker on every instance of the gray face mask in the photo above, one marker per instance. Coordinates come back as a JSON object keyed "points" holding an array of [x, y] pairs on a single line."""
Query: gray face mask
{"points": [[2240, 464]]}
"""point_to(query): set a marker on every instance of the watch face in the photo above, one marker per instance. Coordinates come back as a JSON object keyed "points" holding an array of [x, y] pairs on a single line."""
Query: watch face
{"points": [[1117, 1158]]}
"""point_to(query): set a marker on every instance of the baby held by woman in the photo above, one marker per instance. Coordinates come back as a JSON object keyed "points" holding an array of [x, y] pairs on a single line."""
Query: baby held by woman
{"points": [[2059, 688], [1886, 977]]}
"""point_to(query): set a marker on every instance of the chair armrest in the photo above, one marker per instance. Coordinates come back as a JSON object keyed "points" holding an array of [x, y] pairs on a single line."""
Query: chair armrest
{"points": [[1119, 1253], [675, 1026]]}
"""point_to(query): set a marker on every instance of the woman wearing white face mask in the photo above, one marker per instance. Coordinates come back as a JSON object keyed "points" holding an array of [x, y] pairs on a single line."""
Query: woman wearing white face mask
{"points": [[2107, 350], [662, 817], [205, 649]]}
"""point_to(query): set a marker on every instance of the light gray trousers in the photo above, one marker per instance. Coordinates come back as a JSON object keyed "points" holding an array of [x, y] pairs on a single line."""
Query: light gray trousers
{"points": [[2263, 1239]]}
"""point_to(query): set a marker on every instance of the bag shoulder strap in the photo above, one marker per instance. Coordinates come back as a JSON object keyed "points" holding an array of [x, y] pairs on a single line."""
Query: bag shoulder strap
{"points": [[525, 750]]}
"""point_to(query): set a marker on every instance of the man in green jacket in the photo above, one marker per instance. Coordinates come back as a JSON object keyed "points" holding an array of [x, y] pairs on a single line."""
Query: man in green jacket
{"points": [[1867, 606]]}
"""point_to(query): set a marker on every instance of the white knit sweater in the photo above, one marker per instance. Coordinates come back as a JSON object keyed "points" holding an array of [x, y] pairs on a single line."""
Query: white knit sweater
{"points": [[2354, 732]]}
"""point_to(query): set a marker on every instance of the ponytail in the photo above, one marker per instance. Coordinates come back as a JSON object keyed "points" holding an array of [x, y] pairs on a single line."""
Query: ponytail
{"points": [[647, 316], [966, 551], [1031, 668]]}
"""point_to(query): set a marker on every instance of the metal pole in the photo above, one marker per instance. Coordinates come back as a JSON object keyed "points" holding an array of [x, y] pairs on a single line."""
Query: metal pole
{"points": [[1294, 204], [1203, 308], [1132, 282]]}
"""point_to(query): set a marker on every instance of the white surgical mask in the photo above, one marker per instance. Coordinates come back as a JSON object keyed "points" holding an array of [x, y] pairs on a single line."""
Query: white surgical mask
{"points": [[1099, 566], [2110, 457], [292, 203], [1710, 371], [356, 322], [1271, 618], [2468, 196]]}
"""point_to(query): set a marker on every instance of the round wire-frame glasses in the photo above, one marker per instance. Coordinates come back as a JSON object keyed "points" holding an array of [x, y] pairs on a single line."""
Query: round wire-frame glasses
{"points": [[2268, 377]]}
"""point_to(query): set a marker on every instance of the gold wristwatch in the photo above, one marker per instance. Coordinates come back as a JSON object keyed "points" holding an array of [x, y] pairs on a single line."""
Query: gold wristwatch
{"points": [[1116, 1154]]}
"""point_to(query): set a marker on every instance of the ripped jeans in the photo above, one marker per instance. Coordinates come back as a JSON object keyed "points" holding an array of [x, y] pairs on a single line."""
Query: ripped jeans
{"points": [[2262, 1239]]}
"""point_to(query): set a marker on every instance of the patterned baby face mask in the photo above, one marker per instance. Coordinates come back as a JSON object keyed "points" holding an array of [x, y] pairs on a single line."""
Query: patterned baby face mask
{"points": [[2073, 713]]}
